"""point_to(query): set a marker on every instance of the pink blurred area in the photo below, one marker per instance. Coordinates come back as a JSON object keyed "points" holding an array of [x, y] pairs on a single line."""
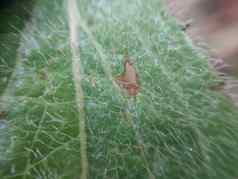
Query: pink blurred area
{"points": [[214, 22]]}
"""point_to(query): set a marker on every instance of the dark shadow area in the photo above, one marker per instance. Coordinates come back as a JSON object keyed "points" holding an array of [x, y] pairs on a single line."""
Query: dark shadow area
{"points": [[13, 15], [7, 3]]}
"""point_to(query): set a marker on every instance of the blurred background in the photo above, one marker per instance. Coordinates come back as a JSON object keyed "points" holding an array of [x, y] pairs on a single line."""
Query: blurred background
{"points": [[212, 25], [216, 23]]}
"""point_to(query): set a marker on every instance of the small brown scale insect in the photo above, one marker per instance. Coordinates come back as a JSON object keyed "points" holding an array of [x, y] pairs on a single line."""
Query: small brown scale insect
{"points": [[3, 114], [128, 80]]}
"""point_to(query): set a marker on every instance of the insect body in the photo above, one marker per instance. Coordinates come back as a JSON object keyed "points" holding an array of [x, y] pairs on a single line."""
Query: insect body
{"points": [[128, 80]]}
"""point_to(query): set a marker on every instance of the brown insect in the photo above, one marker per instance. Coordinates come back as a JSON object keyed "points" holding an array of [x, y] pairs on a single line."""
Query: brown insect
{"points": [[128, 80], [3, 114]]}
